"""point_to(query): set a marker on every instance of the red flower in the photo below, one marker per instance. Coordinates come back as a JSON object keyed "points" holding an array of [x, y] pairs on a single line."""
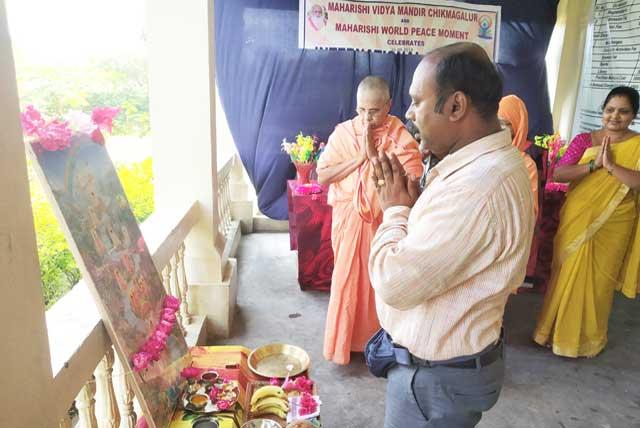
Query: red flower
{"points": [[223, 404], [159, 336], [171, 302], [54, 135], [103, 117], [304, 385], [169, 314], [97, 137], [155, 346], [31, 120], [190, 372], [308, 404], [165, 327], [274, 381], [141, 360]]}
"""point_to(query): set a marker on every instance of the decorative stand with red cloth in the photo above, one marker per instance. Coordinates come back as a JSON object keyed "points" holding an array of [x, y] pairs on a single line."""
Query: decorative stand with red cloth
{"points": [[310, 234]]}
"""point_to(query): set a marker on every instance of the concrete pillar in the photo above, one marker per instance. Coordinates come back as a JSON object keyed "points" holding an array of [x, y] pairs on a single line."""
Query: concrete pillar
{"points": [[25, 359], [183, 128], [566, 62]]}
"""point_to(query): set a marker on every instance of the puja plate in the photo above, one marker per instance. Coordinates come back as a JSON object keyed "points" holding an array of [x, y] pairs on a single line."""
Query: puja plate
{"points": [[272, 360], [196, 398]]}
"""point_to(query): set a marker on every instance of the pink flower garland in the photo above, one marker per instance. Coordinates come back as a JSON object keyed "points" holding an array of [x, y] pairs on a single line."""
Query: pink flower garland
{"points": [[157, 342], [56, 134]]}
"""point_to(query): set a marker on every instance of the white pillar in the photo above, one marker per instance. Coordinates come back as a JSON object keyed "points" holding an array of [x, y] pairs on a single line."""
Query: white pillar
{"points": [[183, 128], [25, 360], [569, 36]]}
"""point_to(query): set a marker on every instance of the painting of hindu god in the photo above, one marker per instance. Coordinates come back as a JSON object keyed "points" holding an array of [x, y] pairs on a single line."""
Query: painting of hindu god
{"points": [[115, 261]]}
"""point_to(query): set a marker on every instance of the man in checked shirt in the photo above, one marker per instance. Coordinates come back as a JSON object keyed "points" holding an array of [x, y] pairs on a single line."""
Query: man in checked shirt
{"points": [[444, 261]]}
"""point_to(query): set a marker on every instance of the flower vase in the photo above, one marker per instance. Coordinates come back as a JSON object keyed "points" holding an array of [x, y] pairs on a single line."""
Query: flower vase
{"points": [[304, 172]]}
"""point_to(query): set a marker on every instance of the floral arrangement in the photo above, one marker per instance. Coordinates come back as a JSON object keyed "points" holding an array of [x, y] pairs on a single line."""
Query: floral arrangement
{"points": [[55, 134], [306, 148], [556, 148], [555, 145], [157, 342]]}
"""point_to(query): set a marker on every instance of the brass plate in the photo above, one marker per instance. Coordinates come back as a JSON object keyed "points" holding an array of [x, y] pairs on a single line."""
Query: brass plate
{"points": [[272, 360]]}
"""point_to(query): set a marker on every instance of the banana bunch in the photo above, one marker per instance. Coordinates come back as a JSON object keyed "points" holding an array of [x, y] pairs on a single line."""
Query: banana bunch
{"points": [[270, 400]]}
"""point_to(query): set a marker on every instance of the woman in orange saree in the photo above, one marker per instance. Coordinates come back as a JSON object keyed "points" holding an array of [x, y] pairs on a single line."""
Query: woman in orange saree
{"points": [[597, 246], [514, 115]]}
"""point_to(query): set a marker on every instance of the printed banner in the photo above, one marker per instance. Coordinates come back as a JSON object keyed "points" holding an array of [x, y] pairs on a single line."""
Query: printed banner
{"points": [[611, 58], [397, 26]]}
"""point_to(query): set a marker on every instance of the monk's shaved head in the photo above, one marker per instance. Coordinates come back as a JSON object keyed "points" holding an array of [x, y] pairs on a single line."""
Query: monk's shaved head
{"points": [[374, 101], [375, 84]]}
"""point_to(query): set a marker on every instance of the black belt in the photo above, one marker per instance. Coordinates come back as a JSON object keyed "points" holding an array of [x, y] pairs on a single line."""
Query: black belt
{"points": [[485, 357]]}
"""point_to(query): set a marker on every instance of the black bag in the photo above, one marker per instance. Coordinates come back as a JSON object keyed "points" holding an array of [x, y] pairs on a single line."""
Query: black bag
{"points": [[379, 354]]}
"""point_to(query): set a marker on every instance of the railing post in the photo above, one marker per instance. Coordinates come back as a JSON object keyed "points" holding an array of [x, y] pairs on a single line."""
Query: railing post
{"points": [[174, 287], [108, 415], [241, 205], [166, 278], [124, 397], [183, 286], [85, 403]]}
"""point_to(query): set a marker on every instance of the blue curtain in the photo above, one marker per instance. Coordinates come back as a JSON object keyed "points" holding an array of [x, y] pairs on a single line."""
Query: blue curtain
{"points": [[270, 89]]}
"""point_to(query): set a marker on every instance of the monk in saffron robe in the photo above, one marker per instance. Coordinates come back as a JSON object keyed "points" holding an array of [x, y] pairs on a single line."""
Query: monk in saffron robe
{"points": [[346, 165]]}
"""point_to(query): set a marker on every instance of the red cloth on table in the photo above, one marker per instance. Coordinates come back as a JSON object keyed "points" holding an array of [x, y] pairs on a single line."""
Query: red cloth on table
{"points": [[310, 234]]}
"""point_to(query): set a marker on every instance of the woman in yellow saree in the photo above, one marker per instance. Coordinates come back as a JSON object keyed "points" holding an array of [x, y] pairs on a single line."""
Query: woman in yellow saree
{"points": [[597, 247]]}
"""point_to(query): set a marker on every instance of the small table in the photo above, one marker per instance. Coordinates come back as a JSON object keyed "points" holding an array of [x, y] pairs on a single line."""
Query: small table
{"points": [[310, 234]]}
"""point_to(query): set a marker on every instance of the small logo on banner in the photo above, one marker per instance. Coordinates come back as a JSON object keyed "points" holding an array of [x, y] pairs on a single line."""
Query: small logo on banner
{"points": [[485, 23], [317, 17]]}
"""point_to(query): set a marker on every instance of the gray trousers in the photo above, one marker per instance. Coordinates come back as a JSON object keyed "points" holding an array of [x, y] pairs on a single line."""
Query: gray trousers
{"points": [[441, 397]]}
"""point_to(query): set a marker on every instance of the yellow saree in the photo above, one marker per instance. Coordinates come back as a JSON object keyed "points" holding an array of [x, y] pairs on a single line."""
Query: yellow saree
{"points": [[596, 251]]}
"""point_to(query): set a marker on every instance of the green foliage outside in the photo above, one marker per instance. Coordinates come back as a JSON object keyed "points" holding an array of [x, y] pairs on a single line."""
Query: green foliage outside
{"points": [[57, 267], [54, 90], [106, 83]]}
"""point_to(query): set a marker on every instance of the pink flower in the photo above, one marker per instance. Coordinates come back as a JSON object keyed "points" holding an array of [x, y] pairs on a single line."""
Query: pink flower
{"points": [[54, 135], [80, 121], [97, 137], [103, 117], [31, 120], [171, 302], [274, 381], [141, 360], [160, 336], [165, 327], [190, 372], [155, 346], [169, 314], [304, 385], [308, 404], [223, 404], [213, 394]]}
